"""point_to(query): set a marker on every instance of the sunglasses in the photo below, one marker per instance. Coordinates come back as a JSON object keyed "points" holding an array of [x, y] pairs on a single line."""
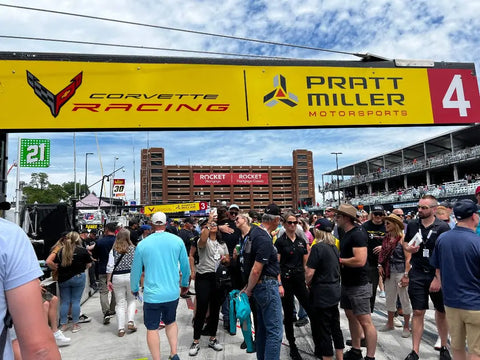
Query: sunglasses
{"points": [[292, 222], [425, 207], [234, 213], [213, 224], [377, 214]]}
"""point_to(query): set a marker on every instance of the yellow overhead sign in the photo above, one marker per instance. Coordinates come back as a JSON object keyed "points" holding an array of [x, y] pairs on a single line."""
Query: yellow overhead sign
{"points": [[173, 208], [120, 94]]}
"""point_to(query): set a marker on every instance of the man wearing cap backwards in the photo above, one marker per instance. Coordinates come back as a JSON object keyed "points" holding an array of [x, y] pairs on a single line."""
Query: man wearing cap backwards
{"points": [[264, 284], [356, 289], [422, 280], [456, 258], [230, 235], [160, 254], [376, 232]]}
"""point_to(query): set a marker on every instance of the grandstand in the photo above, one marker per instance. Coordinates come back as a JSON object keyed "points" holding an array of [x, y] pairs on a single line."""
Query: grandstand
{"points": [[446, 166]]}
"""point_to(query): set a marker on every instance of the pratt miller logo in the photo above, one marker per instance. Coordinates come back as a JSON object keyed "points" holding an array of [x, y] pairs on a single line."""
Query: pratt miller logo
{"points": [[280, 93], [54, 102]]}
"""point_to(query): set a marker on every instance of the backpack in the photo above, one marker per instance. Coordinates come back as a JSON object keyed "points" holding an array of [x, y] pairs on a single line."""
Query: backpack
{"points": [[7, 323]]}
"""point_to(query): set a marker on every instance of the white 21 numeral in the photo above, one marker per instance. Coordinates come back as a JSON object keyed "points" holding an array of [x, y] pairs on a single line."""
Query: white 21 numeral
{"points": [[461, 104], [33, 153]]}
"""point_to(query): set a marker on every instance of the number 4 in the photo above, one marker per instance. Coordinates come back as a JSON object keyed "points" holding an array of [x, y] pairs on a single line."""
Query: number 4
{"points": [[460, 103]]}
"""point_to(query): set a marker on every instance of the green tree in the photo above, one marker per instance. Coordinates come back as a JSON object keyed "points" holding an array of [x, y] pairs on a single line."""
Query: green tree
{"points": [[39, 180], [40, 190], [82, 190]]}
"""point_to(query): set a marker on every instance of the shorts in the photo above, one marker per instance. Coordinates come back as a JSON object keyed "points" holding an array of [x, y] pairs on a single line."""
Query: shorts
{"points": [[356, 298], [418, 291], [464, 325], [47, 295], [153, 313]]}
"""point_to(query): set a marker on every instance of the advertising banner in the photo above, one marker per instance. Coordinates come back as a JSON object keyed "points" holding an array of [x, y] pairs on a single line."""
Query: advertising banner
{"points": [[159, 93], [230, 179], [118, 187], [173, 208]]}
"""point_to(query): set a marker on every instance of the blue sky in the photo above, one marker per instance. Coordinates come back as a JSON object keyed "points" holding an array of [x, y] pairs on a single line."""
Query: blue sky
{"points": [[441, 30]]}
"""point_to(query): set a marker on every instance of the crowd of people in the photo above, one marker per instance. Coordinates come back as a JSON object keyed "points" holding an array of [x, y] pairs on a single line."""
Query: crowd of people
{"points": [[336, 259]]}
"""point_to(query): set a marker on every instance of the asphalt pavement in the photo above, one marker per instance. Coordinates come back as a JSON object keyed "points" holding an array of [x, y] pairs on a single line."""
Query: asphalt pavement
{"points": [[98, 341]]}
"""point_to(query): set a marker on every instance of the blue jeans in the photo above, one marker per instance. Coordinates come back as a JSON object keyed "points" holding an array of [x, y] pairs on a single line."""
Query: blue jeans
{"points": [[71, 293], [269, 332]]}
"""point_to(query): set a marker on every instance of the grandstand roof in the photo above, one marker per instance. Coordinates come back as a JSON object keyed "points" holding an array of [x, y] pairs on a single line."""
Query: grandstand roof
{"points": [[466, 136]]}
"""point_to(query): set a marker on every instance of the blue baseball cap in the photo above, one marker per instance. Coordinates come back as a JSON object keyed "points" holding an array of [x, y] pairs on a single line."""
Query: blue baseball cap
{"points": [[464, 208]]}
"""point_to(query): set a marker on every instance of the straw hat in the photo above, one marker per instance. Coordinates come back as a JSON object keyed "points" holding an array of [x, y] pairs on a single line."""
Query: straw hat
{"points": [[395, 219], [347, 210]]}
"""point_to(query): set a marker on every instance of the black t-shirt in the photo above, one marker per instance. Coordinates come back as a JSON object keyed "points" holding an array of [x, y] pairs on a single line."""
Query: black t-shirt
{"points": [[429, 236], [230, 239], [81, 258], [353, 276], [186, 236], [291, 253], [376, 233], [263, 251], [325, 286], [134, 235]]}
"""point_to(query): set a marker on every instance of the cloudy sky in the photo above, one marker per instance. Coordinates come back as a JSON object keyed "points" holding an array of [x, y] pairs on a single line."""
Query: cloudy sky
{"points": [[441, 31]]}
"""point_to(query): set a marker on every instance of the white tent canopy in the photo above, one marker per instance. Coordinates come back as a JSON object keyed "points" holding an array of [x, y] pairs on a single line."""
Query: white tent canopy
{"points": [[91, 201]]}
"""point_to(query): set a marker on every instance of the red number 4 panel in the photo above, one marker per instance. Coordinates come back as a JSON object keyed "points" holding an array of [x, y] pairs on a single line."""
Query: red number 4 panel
{"points": [[454, 95]]}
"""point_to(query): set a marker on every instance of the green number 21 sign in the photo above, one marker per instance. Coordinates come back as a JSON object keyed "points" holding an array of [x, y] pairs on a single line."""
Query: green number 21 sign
{"points": [[34, 153]]}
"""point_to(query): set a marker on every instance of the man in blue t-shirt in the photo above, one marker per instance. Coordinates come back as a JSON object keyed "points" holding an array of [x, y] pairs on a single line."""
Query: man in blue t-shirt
{"points": [[456, 258], [160, 256], [20, 295]]}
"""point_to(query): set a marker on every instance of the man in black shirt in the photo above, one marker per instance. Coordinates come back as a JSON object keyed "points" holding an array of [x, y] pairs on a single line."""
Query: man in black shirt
{"points": [[187, 233], [376, 232], [422, 280], [356, 290], [133, 227], [261, 263]]}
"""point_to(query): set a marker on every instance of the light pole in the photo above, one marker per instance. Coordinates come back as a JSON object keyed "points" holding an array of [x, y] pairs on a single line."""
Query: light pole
{"points": [[111, 180], [338, 181], [86, 171]]}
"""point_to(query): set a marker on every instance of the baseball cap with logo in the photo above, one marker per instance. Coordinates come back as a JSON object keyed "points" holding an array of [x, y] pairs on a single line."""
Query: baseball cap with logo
{"points": [[272, 209], [159, 218], [464, 208], [377, 209], [324, 225]]}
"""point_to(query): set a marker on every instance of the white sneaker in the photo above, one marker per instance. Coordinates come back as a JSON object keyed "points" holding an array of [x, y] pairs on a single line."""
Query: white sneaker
{"points": [[215, 345], [61, 339], [194, 349], [397, 322]]}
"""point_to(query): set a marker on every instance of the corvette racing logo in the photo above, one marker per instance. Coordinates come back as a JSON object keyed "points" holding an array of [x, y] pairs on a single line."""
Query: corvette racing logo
{"points": [[280, 93], [54, 102]]}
